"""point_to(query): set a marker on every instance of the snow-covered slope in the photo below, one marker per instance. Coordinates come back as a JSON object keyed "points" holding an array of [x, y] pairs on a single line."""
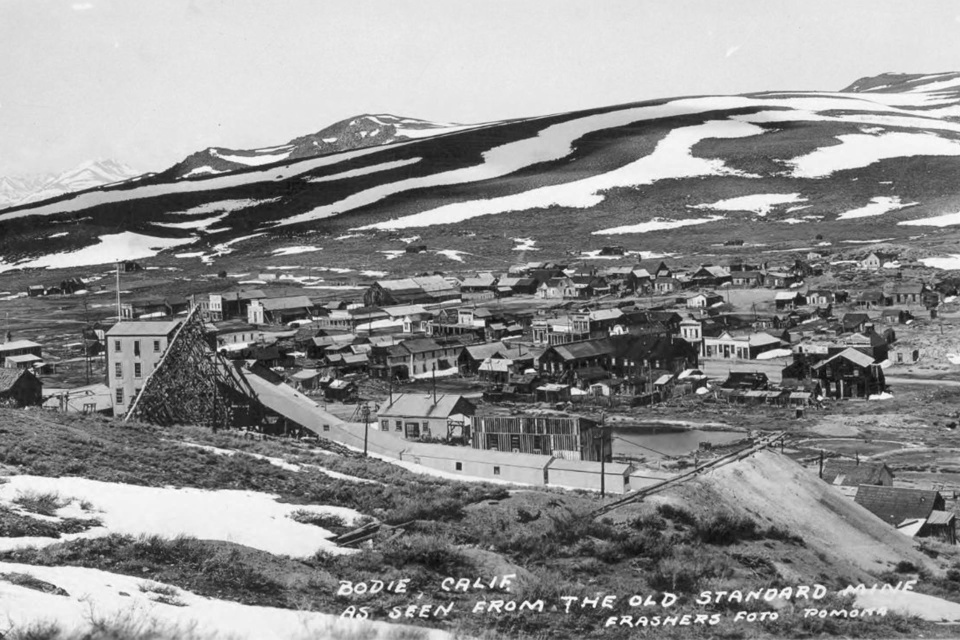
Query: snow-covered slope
{"points": [[88, 175], [886, 148]]}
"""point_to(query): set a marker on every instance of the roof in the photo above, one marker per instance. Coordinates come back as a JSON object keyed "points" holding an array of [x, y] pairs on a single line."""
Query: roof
{"points": [[857, 357], [586, 349], [400, 310], [420, 345], [9, 377], [496, 365], [914, 288], [941, 517], [286, 401], [895, 504], [606, 314], [142, 328], [423, 406], [305, 374], [485, 350], [27, 357], [664, 379], [761, 339], [786, 295], [95, 394], [288, 302], [847, 473], [19, 344]]}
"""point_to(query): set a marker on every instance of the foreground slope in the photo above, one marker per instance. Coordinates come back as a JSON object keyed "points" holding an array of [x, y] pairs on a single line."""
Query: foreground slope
{"points": [[722, 532], [879, 154]]}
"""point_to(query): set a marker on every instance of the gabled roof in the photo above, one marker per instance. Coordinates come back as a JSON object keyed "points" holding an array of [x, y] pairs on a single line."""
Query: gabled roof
{"points": [[761, 339], [485, 350], [856, 357], [423, 405], [9, 377], [896, 504]]}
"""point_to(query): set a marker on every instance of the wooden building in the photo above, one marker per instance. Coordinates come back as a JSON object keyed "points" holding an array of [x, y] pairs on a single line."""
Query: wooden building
{"points": [[559, 435], [415, 415], [20, 388]]}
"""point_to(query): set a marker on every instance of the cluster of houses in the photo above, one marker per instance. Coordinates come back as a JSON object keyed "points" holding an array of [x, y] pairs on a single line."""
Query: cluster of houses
{"points": [[587, 343], [918, 513]]}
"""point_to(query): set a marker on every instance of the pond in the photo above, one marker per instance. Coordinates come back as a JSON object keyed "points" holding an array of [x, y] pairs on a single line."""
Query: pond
{"points": [[657, 441]]}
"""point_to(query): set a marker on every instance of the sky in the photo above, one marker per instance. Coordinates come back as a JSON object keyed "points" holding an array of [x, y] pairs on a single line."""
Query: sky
{"points": [[147, 82]]}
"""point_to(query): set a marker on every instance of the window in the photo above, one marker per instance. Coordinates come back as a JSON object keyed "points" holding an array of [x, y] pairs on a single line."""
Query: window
{"points": [[117, 370], [156, 346], [116, 346], [136, 348], [119, 395], [137, 372], [398, 425], [496, 471], [326, 427], [459, 466], [385, 425]]}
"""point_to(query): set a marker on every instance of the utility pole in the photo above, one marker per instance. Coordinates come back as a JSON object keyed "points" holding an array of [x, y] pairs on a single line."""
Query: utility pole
{"points": [[365, 412], [83, 339], [603, 457], [118, 292]]}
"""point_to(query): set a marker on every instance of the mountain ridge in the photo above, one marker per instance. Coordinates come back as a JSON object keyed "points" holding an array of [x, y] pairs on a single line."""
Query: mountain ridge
{"points": [[885, 148]]}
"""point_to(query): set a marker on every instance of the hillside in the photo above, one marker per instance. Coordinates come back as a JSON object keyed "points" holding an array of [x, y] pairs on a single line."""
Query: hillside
{"points": [[776, 167], [353, 133], [236, 540]]}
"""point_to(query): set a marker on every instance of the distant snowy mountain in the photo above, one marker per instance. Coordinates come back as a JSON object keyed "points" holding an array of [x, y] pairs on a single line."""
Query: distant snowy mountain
{"points": [[20, 190], [353, 133]]}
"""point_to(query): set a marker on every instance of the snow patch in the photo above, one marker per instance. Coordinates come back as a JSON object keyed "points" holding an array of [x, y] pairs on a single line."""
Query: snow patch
{"points": [[109, 248], [253, 161], [760, 204], [856, 151], [249, 518], [223, 206], [947, 263], [289, 251], [656, 224], [945, 220], [525, 244], [353, 173], [453, 254], [877, 206], [671, 159], [96, 595]]}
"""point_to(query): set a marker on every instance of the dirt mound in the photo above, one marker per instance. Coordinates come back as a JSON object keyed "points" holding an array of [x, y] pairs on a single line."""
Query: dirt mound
{"points": [[776, 491]]}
